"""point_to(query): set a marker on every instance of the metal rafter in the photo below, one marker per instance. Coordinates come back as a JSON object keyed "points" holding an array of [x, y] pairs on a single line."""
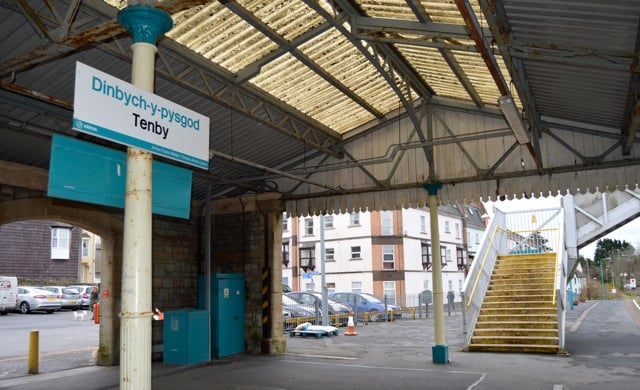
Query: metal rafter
{"points": [[308, 62], [198, 75], [495, 16], [424, 17], [388, 65], [631, 119]]}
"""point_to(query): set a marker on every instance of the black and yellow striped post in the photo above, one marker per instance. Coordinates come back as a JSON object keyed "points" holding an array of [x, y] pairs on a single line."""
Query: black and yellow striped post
{"points": [[266, 306]]}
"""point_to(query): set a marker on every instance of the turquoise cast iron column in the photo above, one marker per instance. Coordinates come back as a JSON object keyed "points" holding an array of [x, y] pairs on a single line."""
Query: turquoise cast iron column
{"points": [[145, 24], [440, 351]]}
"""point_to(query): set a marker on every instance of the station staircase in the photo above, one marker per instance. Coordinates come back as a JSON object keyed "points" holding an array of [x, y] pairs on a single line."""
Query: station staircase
{"points": [[518, 313], [516, 289]]}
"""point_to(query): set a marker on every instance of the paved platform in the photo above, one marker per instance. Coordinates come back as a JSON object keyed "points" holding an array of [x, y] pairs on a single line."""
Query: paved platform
{"points": [[603, 345]]}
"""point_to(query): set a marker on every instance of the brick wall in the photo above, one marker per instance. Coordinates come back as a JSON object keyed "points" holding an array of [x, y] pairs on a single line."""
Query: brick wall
{"points": [[25, 252]]}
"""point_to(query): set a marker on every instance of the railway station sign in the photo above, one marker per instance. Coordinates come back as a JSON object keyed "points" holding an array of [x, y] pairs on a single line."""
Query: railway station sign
{"points": [[110, 108]]}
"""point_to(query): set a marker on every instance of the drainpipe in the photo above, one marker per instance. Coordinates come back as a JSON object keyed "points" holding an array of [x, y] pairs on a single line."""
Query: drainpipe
{"points": [[440, 351], [145, 24]]}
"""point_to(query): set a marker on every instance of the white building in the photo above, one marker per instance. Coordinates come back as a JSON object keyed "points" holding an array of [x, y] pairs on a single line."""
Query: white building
{"points": [[386, 253]]}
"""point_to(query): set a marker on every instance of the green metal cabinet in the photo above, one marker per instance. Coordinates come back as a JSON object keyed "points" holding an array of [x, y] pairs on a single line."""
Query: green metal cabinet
{"points": [[227, 313], [185, 337]]}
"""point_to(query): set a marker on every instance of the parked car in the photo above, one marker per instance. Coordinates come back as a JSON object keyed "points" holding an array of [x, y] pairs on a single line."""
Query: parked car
{"points": [[313, 300], [69, 298], [369, 303], [85, 294], [292, 310], [36, 299]]}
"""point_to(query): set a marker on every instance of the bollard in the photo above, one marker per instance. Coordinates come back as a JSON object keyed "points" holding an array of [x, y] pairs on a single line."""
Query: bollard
{"points": [[96, 313], [34, 350]]}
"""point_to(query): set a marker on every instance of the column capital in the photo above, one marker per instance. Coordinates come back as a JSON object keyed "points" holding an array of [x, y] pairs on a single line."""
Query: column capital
{"points": [[432, 188], [144, 23]]}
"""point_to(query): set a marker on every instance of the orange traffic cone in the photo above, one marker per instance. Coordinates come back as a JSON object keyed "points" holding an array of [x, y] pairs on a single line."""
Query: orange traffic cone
{"points": [[351, 330]]}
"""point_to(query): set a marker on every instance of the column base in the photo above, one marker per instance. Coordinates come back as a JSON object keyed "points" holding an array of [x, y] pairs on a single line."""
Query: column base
{"points": [[440, 354]]}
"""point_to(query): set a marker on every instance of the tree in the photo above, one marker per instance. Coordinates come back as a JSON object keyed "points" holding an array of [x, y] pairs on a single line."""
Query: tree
{"points": [[614, 254]]}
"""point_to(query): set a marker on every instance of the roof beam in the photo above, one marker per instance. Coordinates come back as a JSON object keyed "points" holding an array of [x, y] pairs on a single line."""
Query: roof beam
{"points": [[631, 119], [495, 16], [449, 58], [388, 65], [274, 36]]}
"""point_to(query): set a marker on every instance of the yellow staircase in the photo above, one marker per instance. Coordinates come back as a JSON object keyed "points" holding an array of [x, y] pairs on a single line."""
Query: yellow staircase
{"points": [[518, 313]]}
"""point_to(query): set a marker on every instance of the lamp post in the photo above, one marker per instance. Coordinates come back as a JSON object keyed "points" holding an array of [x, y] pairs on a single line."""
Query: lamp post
{"points": [[602, 277]]}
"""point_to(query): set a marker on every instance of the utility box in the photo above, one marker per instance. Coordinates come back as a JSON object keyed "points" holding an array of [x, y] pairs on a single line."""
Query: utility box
{"points": [[186, 337], [227, 313]]}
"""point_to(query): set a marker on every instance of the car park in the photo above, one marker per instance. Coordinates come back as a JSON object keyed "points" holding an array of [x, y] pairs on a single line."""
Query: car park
{"points": [[85, 294], [294, 312], [313, 301], [69, 298], [367, 303], [36, 299]]}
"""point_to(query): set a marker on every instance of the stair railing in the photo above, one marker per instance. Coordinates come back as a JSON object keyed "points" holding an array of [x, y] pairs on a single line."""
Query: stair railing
{"points": [[560, 290], [519, 232], [476, 283]]}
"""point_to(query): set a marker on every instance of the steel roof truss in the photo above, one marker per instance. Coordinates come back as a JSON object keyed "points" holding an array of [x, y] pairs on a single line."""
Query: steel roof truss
{"points": [[308, 62]]}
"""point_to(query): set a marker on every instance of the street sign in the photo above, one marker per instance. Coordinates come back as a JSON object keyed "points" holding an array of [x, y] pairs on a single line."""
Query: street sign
{"points": [[110, 108]]}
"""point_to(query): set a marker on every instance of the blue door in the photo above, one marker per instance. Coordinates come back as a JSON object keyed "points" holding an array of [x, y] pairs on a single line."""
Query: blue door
{"points": [[229, 307]]}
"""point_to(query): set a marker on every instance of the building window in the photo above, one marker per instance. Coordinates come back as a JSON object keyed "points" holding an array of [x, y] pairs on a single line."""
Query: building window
{"points": [[447, 228], [355, 252], [354, 218], [477, 238], [308, 226], [331, 288], [460, 258], [285, 223], [310, 286], [328, 221], [285, 254], [60, 243], [356, 286], [425, 250], [460, 283], [85, 246], [450, 284], [390, 292], [423, 224], [386, 223], [443, 255], [329, 254], [448, 255], [285, 280], [425, 285], [388, 261], [457, 227], [307, 258]]}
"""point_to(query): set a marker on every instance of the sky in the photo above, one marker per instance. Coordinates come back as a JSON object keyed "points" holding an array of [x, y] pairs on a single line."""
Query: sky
{"points": [[629, 233]]}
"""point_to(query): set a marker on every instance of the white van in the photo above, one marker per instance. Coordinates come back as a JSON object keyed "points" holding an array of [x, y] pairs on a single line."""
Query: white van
{"points": [[8, 294]]}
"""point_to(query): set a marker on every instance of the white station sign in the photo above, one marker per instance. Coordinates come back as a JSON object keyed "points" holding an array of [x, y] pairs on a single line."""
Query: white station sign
{"points": [[110, 108]]}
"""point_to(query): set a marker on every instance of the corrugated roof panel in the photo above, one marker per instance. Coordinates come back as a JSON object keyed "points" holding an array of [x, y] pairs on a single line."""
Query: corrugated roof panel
{"points": [[220, 36], [344, 62], [310, 93], [428, 62], [476, 71], [290, 18], [394, 9]]}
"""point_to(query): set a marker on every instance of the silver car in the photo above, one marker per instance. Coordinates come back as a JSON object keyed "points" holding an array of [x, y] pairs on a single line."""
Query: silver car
{"points": [[85, 293], [36, 299], [69, 298]]}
